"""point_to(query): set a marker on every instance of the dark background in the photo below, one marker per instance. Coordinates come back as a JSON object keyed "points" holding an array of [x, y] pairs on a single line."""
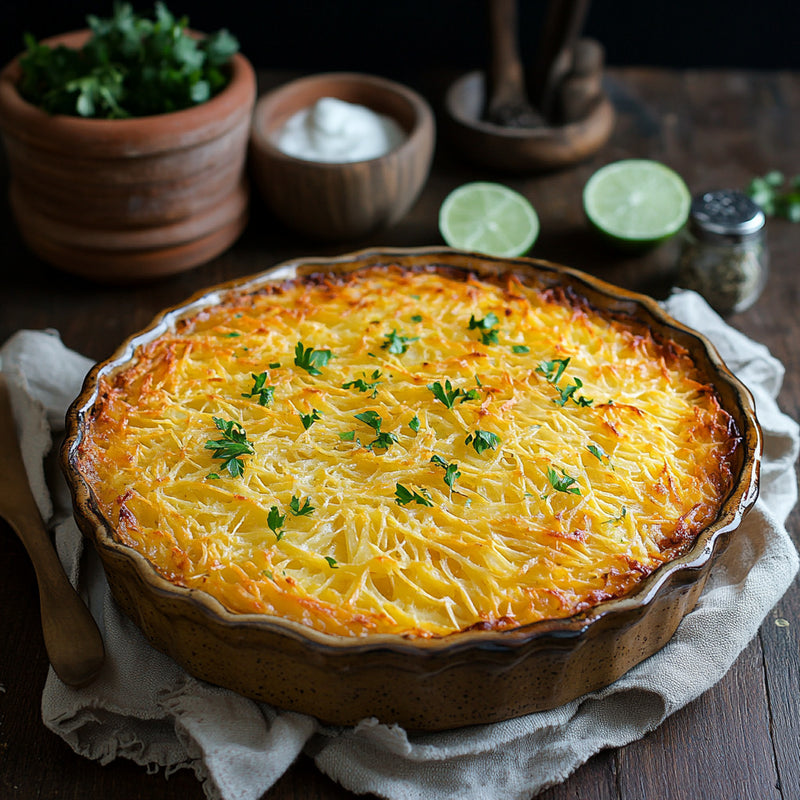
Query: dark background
{"points": [[398, 38]]}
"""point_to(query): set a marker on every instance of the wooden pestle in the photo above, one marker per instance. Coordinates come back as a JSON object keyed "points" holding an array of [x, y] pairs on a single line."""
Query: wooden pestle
{"points": [[582, 88], [508, 103]]}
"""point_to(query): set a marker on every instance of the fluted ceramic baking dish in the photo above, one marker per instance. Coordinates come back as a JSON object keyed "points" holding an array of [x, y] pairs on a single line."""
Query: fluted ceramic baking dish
{"points": [[429, 683]]}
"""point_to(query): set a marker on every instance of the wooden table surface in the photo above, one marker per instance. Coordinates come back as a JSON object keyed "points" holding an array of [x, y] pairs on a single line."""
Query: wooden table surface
{"points": [[741, 739]]}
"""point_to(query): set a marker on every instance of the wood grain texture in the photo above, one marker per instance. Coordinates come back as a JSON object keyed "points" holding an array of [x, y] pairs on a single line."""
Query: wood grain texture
{"points": [[741, 739]]}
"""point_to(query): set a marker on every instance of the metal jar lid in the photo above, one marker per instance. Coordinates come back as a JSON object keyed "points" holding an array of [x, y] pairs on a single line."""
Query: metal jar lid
{"points": [[726, 215]]}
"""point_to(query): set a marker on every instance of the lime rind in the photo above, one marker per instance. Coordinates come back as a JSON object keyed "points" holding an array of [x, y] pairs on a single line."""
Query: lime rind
{"points": [[489, 218], [636, 202]]}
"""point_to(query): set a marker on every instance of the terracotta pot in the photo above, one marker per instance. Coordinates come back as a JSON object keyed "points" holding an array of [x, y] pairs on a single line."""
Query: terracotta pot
{"points": [[129, 199]]}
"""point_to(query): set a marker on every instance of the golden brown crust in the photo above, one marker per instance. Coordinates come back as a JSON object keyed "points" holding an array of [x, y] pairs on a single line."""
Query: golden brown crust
{"points": [[573, 454]]}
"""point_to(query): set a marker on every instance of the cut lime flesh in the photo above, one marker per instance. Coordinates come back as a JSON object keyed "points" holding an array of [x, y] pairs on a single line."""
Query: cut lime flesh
{"points": [[488, 218], [636, 202]]}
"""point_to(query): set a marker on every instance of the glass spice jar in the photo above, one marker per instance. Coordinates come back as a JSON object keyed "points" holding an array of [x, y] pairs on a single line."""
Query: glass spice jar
{"points": [[723, 253]]}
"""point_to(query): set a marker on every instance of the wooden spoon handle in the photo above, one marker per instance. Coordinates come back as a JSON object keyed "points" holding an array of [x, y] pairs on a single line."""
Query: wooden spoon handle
{"points": [[73, 641]]}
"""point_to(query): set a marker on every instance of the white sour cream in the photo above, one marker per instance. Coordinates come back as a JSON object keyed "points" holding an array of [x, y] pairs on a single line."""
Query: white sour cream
{"points": [[338, 132]]}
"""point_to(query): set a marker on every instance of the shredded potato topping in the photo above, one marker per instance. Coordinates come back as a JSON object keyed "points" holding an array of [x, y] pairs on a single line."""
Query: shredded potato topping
{"points": [[564, 455]]}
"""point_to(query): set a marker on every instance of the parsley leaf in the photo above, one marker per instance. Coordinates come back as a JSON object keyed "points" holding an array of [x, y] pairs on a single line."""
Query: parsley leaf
{"points": [[332, 563], [297, 509], [309, 419], [414, 423], [553, 370], [451, 473], [265, 394], [364, 386], [482, 441], [569, 391], [562, 483], [520, 348], [231, 446], [486, 327], [403, 496], [397, 344], [276, 521], [448, 395], [310, 359], [384, 440]]}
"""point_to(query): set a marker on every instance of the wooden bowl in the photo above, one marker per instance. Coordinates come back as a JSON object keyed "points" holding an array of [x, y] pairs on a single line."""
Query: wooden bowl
{"points": [[520, 149], [475, 676], [339, 201]]}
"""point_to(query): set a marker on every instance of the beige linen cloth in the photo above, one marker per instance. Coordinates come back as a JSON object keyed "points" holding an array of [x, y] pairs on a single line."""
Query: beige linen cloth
{"points": [[145, 708]]}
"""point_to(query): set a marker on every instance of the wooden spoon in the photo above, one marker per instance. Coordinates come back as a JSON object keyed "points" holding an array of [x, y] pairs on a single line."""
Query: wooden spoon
{"points": [[508, 103], [73, 641]]}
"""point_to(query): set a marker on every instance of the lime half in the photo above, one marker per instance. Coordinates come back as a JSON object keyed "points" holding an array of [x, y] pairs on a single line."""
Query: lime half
{"points": [[488, 218], [636, 203]]}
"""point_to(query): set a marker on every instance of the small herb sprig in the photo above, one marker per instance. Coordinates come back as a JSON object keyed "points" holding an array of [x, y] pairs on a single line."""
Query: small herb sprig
{"points": [[448, 395], [277, 521], [263, 393], [552, 372], [403, 496], [482, 441], [563, 482], [771, 193], [365, 386], [231, 447], [486, 327], [451, 472], [311, 360], [397, 344], [384, 439]]}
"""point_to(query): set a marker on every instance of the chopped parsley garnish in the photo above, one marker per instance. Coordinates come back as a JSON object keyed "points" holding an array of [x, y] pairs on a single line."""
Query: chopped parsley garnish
{"points": [[297, 509], [553, 370], [598, 453], [276, 520], [230, 447], [232, 335], [275, 365], [397, 344], [264, 393], [384, 440], [482, 440], [451, 473], [414, 423], [448, 395], [310, 359], [486, 326], [563, 482], [347, 436], [416, 318], [520, 348], [364, 386], [403, 496], [568, 392], [309, 419], [332, 563]]}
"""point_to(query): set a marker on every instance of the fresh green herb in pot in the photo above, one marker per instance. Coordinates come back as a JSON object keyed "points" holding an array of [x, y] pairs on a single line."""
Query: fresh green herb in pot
{"points": [[131, 66]]}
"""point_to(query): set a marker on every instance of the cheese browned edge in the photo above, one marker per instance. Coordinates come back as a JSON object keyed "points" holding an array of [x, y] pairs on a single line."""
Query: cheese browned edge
{"points": [[611, 452]]}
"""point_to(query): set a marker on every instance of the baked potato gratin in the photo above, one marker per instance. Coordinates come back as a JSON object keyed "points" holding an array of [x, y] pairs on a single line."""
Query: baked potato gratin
{"points": [[413, 452]]}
